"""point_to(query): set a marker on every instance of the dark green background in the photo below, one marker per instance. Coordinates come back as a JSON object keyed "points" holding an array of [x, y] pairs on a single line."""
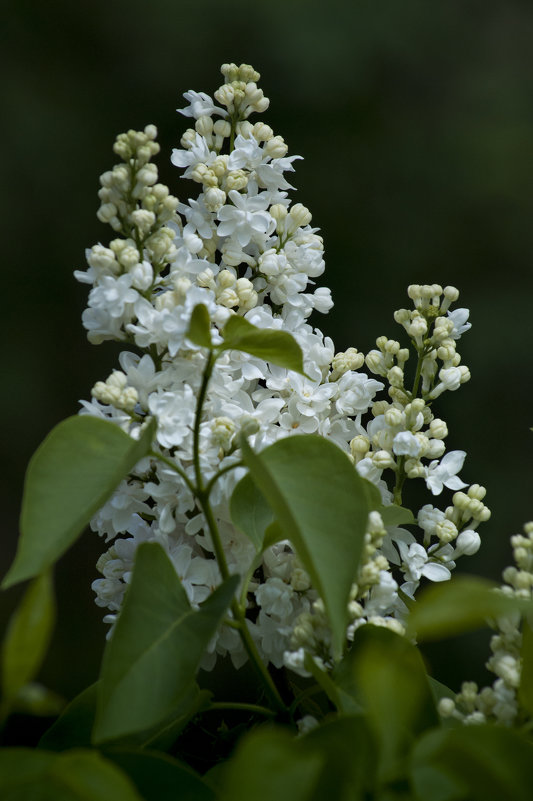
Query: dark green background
{"points": [[415, 120]]}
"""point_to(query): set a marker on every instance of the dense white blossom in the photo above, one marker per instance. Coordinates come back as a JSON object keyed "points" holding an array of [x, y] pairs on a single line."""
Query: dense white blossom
{"points": [[241, 247]]}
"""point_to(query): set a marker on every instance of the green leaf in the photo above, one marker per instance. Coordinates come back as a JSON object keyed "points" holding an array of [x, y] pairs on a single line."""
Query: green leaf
{"points": [[250, 511], [349, 752], [335, 760], [70, 476], [273, 534], [27, 638], [158, 777], [395, 515], [162, 736], [71, 776], [525, 692], [438, 691], [392, 515], [151, 660], [459, 605], [321, 505], [73, 729], [270, 764], [323, 679], [200, 327], [74, 726], [385, 673], [35, 699], [473, 762], [373, 495], [277, 347]]}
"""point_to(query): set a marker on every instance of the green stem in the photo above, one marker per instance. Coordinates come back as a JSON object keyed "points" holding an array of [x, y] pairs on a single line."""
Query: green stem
{"points": [[254, 708], [400, 479], [174, 466], [238, 612], [211, 358], [421, 355], [220, 473], [400, 473], [202, 494], [304, 695], [203, 499], [256, 661]]}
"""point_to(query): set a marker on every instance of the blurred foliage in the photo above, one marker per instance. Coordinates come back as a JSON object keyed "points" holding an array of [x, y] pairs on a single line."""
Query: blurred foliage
{"points": [[415, 120]]}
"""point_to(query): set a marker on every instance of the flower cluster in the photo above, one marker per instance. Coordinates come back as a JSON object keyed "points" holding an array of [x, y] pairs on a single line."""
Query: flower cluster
{"points": [[242, 248], [499, 702]]}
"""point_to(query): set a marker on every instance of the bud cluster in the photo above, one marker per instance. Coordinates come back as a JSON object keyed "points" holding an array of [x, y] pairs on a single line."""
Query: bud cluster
{"points": [[500, 702]]}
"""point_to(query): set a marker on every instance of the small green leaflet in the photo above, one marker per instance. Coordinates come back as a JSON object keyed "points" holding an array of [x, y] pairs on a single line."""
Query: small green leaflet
{"points": [[277, 347], [200, 327], [392, 515]]}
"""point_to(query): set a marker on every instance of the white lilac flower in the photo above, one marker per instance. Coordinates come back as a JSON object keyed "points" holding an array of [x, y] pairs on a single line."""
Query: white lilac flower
{"points": [[113, 295], [444, 473], [175, 415], [200, 105], [406, 444], [356, 392], [242, 248], [199, 153], [417, 563], [459, 319], [247, 216], [198, 217], [275, 597]]}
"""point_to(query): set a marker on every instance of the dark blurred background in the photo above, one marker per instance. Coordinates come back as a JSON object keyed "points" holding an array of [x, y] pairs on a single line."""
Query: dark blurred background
{"points": [[415, 120]]}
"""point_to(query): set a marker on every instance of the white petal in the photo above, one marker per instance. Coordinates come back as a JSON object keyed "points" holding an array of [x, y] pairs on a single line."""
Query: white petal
{"points": [[435, 572]]}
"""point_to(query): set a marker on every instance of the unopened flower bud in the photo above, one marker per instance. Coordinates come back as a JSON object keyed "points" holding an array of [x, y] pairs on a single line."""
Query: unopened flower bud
{"points": [[278, 211], [275, 147], [383, 460], [204, 126], [468, 542], [300, 215]]}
